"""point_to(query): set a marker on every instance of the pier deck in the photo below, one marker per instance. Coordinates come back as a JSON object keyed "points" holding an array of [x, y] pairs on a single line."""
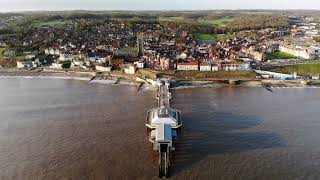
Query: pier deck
{"points": [[164, 94]]}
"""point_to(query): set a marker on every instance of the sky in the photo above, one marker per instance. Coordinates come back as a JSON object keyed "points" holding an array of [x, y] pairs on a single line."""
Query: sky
{"points": [[30, 5]]}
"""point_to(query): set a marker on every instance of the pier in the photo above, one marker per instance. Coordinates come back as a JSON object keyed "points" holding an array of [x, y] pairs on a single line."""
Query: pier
{"points": [[162, 124], [164, 94]]}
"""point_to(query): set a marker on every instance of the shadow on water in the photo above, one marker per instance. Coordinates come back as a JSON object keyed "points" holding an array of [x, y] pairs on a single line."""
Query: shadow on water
{"points": [[208, 133]]}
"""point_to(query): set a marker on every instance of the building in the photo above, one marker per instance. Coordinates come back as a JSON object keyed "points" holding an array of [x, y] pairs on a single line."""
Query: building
{"points": [[30, 55], [67, 57], [98, 59], [126, 52], [56, 66], [314, 52], [188, 66], [256, 55], [116, 62], [103, 69], [182, 56], [52, 51], [130, 69], [9, 53], [235, 65], [298, 51], [165, 64], [24, 64], [215, 67], [205, 66], [140, 43], [139, 64]]}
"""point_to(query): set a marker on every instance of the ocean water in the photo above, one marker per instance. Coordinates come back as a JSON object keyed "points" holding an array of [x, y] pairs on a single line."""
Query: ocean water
{"points": [[71, 129]]}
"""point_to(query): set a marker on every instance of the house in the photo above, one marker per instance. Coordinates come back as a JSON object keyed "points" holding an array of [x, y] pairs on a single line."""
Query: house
{"points": [[254, 54], [126, 52], [29, 55], [103, 69], [165, 64], [67, 57], [215, 67], [98, 59], [139, 64], [298, 51], [9, 53], [188, 66], [52, 51], [117, 62], [314, 52], [205, 66], [182, 56], [24, 64], [56, 66], [130, 69], [233, 65]]}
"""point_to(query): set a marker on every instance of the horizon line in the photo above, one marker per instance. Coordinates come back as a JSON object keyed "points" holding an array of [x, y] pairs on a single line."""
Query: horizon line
{"points": [[155, 10]]}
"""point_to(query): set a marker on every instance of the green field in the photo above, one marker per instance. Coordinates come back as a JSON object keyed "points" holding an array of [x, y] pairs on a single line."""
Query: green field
{"points": [[300, 69], [173, 18], [205, 37], [1, 52], [38, 24], [216, 22], [212, 22], [279, 55], [20, 58], [213, 37]]}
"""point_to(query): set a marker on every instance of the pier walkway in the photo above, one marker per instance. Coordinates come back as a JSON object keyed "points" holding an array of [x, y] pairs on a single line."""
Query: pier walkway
{"points": [[162, 123], [164, 94]]}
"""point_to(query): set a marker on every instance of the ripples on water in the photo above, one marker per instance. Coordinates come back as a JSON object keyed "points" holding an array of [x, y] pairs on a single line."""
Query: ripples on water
{"points": [[67, 129]]}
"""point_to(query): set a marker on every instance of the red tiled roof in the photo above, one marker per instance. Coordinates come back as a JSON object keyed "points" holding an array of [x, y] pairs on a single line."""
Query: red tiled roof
{"points": [[233, 62], [192, 63], [117, 62]]}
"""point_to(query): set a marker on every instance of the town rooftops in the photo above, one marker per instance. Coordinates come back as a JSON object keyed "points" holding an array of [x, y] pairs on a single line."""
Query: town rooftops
{"points": [[225, 62], [191, 63], [117, 62], [205, 63]]}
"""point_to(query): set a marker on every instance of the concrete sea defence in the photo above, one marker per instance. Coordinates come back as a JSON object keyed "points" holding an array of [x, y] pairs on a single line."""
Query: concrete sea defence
{"points": [[121, 78]]}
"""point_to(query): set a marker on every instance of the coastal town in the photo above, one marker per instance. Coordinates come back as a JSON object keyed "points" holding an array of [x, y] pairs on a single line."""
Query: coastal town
{"points": [[108, 44], [150, 90]]}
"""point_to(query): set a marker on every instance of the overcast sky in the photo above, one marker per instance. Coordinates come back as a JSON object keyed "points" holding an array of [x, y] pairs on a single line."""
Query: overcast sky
{"points": [[26, 5]]}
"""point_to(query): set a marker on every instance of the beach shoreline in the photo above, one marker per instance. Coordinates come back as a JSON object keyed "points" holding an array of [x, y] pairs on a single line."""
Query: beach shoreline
{"points": [[113, 78]]}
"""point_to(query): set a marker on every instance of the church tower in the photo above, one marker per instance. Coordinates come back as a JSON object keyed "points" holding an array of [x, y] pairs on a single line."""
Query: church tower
{"points": [[140, 42]]}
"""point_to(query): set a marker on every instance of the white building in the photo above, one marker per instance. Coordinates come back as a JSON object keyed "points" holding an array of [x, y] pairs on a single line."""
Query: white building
{"points": [[215, 68], [188, 66], [30, 56], [67, 57], [10, 53], [298, 51], [52, 51], [205, 66], [24, 64], [131, 69], [182, 56], [312, 52], [56, 66], [103, 69], [235, 66], [139, 64], [164, 63]]}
